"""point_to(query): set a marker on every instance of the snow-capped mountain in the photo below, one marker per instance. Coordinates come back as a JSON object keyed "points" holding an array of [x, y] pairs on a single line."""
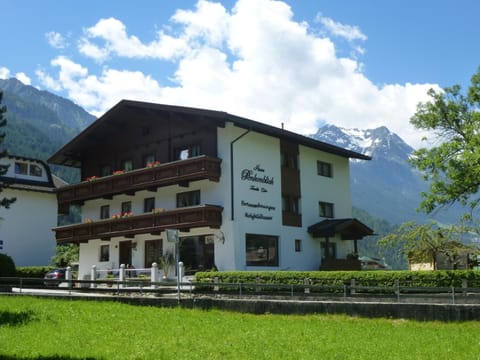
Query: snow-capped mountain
{"points": [[387, 186]]}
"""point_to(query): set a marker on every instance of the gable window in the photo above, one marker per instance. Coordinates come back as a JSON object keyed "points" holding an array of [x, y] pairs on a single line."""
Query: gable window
{"points": [[105, 170], [153, 252], [189, 198], [127, 165], [261, 250], [188, 151], [104, 252], [324, 169], [21, 168], [35, 170], [148, 204], [325, 209], [105, 212], [147, 159], [126, 207]]}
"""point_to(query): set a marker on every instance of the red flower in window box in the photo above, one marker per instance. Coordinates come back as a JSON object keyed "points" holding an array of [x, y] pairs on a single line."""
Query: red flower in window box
{"points": [[152, 164]]}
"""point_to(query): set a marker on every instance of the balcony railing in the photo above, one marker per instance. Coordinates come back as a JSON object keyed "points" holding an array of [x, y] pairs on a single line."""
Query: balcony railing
{"points": [[153, 223], [176, 172]]}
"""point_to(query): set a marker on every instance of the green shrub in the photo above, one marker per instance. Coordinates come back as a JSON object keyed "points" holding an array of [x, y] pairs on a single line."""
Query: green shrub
{"points": [[322, 280], [33, 271], [7, 266]]}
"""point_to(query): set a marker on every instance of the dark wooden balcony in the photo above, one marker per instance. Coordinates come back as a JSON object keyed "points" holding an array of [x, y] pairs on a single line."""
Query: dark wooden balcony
{"points": [[153, 223], [176, 172]]}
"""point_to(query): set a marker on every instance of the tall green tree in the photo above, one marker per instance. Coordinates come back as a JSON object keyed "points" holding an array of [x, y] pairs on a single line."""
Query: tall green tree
{"points": [[4, 202], [424, 243], [452, 167]]}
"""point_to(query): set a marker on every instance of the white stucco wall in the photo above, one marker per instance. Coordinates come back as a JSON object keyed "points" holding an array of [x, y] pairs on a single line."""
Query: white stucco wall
{"points": [[257, 205], [26, 228]]}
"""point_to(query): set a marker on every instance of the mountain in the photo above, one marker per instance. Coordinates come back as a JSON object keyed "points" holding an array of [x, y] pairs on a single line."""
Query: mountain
{"points": [[39, 123], [387, 187]]}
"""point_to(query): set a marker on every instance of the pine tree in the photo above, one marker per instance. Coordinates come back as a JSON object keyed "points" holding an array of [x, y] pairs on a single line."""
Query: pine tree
{"points": [[5, 202]]}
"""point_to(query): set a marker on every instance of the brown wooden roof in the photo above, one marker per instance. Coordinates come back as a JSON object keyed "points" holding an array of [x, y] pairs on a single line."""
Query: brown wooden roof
{"points": [[144, 112], [349, 229]]}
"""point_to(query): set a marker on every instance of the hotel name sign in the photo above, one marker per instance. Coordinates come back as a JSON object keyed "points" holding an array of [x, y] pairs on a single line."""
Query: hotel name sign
{"points": [[260, 183]]}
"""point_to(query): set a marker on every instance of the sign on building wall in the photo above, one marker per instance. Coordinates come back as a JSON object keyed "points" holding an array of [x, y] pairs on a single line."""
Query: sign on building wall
{"points": [[260, 184]]}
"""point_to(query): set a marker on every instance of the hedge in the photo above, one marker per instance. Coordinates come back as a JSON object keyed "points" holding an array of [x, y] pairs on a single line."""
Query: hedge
{"points": [[440, 278], [33, 271]]}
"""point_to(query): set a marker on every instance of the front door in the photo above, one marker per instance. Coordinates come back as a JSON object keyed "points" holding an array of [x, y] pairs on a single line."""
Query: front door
{"points": [[125, 253]]}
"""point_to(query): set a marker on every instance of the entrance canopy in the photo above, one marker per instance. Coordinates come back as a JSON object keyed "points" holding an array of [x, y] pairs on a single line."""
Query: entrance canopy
{"points": [[348, 229]]}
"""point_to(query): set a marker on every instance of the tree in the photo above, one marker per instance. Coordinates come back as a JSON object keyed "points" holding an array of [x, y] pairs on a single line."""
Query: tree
{"points": [[453, 166], [65, 255], [5, 202], [425, 242]]}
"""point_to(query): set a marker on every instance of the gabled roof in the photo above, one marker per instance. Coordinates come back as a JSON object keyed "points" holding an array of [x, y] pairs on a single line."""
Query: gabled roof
{"points": [[349, 229], [122, 112]]}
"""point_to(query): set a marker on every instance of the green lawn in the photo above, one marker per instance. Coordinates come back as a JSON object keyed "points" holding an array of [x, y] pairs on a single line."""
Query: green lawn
{"points": [[32, 328]]}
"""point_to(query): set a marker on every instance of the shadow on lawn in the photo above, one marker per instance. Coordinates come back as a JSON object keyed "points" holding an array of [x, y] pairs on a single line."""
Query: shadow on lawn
{"points": [[15, 318]]}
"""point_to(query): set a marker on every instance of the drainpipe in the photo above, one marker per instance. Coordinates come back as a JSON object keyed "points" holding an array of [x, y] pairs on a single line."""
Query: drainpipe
{"points": [[231, 170]]}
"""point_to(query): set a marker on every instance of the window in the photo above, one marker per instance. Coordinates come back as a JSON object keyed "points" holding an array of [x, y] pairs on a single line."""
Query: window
{"points": [[153, 252], [148, 204], [104, 252], [298, 245], [289, 160], [189, 198], [188, 152], [330, 251], [105, 170], [150, 158], [127, 165], [105, 212], [261, 250], [35, 170], [290, 204], [126, 207], [326, 209], [21, 168], [324, 169]]}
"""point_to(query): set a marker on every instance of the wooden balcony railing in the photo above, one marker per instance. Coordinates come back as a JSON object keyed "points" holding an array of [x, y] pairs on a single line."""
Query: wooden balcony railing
{"points": [[153, 223], [176, 172]]}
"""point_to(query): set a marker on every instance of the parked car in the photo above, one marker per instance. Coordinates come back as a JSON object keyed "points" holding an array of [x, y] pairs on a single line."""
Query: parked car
{"points": [[54, 277]]}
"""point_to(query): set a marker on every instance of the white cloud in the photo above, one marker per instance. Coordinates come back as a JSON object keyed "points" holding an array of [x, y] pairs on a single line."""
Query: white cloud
{"points": [[23, 78], [254, 61], [347, 32], [4, 73], [116, 41], [56, 40]]}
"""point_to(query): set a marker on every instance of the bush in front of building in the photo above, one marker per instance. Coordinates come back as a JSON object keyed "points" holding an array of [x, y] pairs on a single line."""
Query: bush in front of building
{"points": [[7, 266], [337, 279], [33, 271]]}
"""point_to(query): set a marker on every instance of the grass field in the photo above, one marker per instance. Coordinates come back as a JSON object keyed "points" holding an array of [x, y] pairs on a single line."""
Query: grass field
{"points": [[32, 328]]}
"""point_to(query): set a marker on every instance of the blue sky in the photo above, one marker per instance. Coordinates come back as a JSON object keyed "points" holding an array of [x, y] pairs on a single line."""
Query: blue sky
{"points": [[352, 63]]}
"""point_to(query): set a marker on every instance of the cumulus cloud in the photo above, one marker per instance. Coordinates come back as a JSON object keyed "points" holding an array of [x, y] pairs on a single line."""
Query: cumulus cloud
{"points": [[23, 78], [56, 40], [253, 60], [4, 73]]}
